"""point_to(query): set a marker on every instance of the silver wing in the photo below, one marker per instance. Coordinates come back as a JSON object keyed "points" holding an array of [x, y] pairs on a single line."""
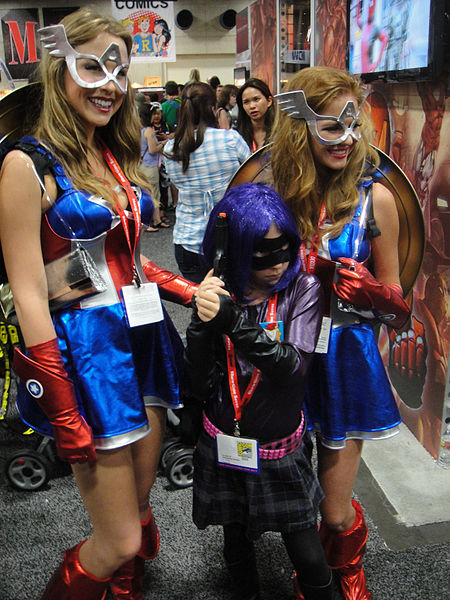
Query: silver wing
{"points": [[55, 40], [294, 104]]}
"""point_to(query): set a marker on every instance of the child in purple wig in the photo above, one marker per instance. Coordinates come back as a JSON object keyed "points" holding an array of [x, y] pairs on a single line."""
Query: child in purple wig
{"points": [[249, 346]]}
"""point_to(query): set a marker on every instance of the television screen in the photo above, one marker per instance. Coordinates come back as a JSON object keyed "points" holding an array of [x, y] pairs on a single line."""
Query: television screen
{"points": [[389, 36]]}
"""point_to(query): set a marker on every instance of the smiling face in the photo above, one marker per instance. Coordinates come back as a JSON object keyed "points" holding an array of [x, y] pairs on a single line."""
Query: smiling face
{"points": [[96, 105], [255, 103], [334, 156]]}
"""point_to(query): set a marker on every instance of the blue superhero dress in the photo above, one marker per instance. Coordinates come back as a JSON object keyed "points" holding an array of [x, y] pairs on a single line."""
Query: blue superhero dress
{"points": [[349, 395], [116, 370]]}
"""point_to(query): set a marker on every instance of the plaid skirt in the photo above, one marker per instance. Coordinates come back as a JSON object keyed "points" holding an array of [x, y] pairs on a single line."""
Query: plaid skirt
{"points": [[284, 496]]}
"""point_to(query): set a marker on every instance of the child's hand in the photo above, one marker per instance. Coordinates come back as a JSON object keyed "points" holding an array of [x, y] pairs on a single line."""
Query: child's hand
{"points": [[207, 297]]}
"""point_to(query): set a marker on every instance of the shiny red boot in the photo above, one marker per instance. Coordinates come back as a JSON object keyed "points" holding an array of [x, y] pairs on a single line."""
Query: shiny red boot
{"points": [[72, 582], [345, 551], [126, 583], [150, 537]]}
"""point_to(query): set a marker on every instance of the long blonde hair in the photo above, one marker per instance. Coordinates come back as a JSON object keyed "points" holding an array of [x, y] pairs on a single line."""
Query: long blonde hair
{"points": [[294, 171], [60, 128]]}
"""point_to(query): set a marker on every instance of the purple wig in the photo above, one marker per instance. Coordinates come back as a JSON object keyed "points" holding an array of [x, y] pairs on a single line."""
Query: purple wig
{"points": [[251, 208]]}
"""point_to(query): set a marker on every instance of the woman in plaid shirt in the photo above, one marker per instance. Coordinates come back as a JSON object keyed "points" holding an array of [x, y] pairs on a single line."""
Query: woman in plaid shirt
{"points": [[200, 161]]}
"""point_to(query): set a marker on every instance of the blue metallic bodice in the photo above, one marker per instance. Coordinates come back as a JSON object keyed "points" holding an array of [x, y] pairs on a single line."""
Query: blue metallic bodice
{"points": [[347, 242], [76, 213]]}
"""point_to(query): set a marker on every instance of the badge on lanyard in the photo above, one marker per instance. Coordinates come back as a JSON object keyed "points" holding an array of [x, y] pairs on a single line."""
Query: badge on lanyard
{"points": [[234, 451], [142, 304], [141, 301], [237, 453]]}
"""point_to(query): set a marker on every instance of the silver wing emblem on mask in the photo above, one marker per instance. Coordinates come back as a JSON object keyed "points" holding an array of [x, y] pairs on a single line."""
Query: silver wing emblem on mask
{"points": [[294, 104], [55, 40]]}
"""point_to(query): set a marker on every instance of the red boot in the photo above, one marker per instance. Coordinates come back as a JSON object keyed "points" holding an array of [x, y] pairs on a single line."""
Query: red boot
{"points": [[126, 583], [345, 551], [71, 580], [150, 537]]}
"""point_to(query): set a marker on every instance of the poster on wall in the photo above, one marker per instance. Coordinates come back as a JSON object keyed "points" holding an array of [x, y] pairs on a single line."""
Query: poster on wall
{"points": [[243, 52], [153, 30], [412, 124], [21, 50], [263, 41], [331, 33]]}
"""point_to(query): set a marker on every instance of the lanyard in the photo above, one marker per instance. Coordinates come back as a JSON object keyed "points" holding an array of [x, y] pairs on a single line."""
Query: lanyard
{"points": [[309, 261], [135, 208], [238, 401]]}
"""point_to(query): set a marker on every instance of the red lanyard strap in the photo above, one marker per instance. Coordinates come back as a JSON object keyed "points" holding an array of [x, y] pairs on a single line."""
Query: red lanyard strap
{"points": [[134, 203], [238, 401], [309, 261]]}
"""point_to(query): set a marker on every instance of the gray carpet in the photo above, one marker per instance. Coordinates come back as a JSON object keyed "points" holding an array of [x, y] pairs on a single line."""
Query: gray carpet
{"points": [[37, 526]]}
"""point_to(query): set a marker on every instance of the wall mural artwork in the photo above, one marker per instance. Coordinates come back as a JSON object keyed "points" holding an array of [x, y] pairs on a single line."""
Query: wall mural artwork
{"points": [[412, 124], [263, 41], [331, 33]]}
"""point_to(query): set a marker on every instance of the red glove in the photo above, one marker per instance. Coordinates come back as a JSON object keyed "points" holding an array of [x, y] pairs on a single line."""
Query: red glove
{"points": [[46, 380], [356, 285], [171, 287]]}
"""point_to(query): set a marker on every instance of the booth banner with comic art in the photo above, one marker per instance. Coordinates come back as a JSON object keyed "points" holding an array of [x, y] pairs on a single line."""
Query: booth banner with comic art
{"points": [[20, 39], [152, 28], [412, 123], [21, 51]]}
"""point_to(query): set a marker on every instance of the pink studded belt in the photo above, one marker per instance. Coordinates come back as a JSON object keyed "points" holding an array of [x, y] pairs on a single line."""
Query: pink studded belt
{"points": [[272, 450]]}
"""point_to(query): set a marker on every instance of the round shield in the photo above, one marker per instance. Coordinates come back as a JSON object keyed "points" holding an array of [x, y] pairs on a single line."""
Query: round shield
{"points": [[18, 111], [411, 239]]}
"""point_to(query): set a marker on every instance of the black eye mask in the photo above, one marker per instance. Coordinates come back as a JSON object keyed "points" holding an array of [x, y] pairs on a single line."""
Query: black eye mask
{"points": [[275, 256]]}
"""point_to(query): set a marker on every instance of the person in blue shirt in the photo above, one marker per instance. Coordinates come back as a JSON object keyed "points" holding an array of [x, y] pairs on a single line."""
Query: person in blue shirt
{"points": [[200, 161]]}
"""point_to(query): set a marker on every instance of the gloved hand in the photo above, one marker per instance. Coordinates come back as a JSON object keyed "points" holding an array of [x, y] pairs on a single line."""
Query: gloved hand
{"points": [[356, 285], [171, 287], [46, 380]]}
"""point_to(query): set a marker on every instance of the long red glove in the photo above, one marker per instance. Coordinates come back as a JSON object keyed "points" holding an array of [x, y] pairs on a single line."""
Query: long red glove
{"points": [[46, 380], [171, 287], [356, 285]]}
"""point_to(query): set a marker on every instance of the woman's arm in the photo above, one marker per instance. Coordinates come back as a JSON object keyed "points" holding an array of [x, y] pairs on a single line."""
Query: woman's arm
{"points": [[382, 293], [20, 228], [21, 207], [385, 247], [152, 143]]}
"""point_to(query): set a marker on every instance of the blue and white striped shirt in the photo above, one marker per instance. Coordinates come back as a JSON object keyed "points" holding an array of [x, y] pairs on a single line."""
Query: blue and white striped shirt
{"points": [[200, 188]]}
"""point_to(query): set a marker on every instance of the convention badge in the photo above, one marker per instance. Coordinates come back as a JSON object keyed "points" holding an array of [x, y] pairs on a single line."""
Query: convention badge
{"points": [[324, 336], [142, 304], [237, 453], [274, 329]]}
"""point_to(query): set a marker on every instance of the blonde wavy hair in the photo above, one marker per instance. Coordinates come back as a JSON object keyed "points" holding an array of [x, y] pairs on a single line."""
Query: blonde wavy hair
{"points": [[295, 175], [60, 128]]}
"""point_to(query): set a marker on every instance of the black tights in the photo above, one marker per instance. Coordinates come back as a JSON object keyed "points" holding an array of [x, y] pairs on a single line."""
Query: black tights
{"points": [[303, 547], [307, 556]]}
